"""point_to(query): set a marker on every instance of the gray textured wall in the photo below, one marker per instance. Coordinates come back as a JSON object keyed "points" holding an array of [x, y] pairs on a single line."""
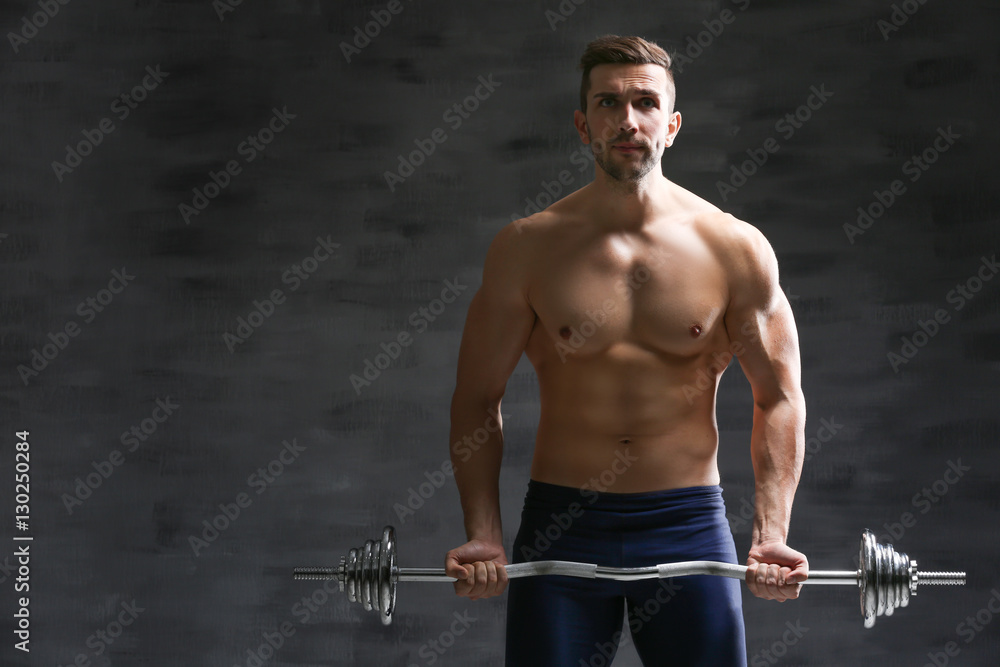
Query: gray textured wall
{"points": [[65, 230]]}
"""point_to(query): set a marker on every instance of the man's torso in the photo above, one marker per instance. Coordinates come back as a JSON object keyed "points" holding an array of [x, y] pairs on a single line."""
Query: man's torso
{"points": [[628, 343]]}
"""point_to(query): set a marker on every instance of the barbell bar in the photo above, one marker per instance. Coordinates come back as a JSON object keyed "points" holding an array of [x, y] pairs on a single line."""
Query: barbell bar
{"points": [[885, 578]]}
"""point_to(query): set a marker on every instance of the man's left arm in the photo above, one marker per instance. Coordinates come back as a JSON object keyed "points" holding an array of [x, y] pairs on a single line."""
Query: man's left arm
{"points": [[761, 328]]}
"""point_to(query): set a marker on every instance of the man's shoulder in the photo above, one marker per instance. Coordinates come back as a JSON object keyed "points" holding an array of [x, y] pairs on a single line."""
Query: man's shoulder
{"points": [[736, 241], [747, 258], [558, 215], [514, 245], [518, 236], [557, 222], [723, 231]]}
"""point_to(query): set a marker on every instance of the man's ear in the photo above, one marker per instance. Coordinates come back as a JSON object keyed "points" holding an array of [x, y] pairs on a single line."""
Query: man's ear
{"points": [[580, 121], [675, 124]]}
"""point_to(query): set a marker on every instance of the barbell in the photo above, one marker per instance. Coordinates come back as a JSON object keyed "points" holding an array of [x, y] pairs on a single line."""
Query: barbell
{"points": [[885, 578]]}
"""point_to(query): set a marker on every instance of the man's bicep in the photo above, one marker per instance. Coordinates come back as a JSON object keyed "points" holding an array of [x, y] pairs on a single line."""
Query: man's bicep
{"points": [[498, 323], [761, 326], [768, 352]]}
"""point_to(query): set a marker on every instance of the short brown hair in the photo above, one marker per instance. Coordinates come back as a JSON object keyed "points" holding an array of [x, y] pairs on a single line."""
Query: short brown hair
{"points": [[616, 50]]}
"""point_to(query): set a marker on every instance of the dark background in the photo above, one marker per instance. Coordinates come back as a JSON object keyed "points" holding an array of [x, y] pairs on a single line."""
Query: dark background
{"points": [[366, 451]]}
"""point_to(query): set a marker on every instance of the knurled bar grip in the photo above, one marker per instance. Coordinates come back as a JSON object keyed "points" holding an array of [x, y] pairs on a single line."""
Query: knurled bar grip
{"points": [[886, 578]]}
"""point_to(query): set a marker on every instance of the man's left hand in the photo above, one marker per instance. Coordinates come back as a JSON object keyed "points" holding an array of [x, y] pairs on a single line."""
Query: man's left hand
{"points": [[775, 571]]}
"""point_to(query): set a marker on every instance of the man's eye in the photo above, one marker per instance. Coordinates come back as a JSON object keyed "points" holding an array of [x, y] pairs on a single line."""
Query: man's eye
{"points": [[607, 99], [651, 102]]}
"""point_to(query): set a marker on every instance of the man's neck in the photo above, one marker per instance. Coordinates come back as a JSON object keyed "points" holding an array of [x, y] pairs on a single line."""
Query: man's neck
{"points": [[628, 206]]}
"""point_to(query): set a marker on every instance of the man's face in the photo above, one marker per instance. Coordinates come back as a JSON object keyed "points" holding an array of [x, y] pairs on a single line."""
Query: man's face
{"points": [[627, 121]]}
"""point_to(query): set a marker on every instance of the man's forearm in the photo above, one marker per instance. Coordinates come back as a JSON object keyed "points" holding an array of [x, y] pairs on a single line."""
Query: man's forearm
{"points": [[777, 447], [476, 462]]}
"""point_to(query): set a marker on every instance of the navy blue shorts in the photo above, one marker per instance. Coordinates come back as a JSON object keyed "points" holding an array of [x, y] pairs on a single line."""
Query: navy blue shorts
{"points": [[560, 621]]}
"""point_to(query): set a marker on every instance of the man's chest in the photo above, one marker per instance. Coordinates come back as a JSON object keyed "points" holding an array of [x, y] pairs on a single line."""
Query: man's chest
{"points": [[667, 296]]}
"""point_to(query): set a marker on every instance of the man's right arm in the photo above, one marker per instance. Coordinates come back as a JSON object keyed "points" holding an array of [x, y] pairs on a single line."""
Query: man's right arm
{"points": [[497, 328]]}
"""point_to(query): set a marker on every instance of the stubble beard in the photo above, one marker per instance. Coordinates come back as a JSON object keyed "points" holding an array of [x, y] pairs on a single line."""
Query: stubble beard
{"points": [[628, 177]]}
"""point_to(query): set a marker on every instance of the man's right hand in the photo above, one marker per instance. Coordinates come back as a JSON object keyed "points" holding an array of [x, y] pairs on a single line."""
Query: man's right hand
{"points": [[478, 567]]}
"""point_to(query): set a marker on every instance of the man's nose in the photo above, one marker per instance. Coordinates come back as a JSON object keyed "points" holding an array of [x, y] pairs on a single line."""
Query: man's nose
{"points": [[626, 121]]}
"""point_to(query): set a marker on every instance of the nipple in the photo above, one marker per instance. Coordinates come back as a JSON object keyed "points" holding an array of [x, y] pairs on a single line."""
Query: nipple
{"points": [[565, 332], [695, 330]]}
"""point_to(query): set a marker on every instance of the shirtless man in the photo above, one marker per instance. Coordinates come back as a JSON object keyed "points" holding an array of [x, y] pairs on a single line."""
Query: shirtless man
{"points": [[629, 296]]}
